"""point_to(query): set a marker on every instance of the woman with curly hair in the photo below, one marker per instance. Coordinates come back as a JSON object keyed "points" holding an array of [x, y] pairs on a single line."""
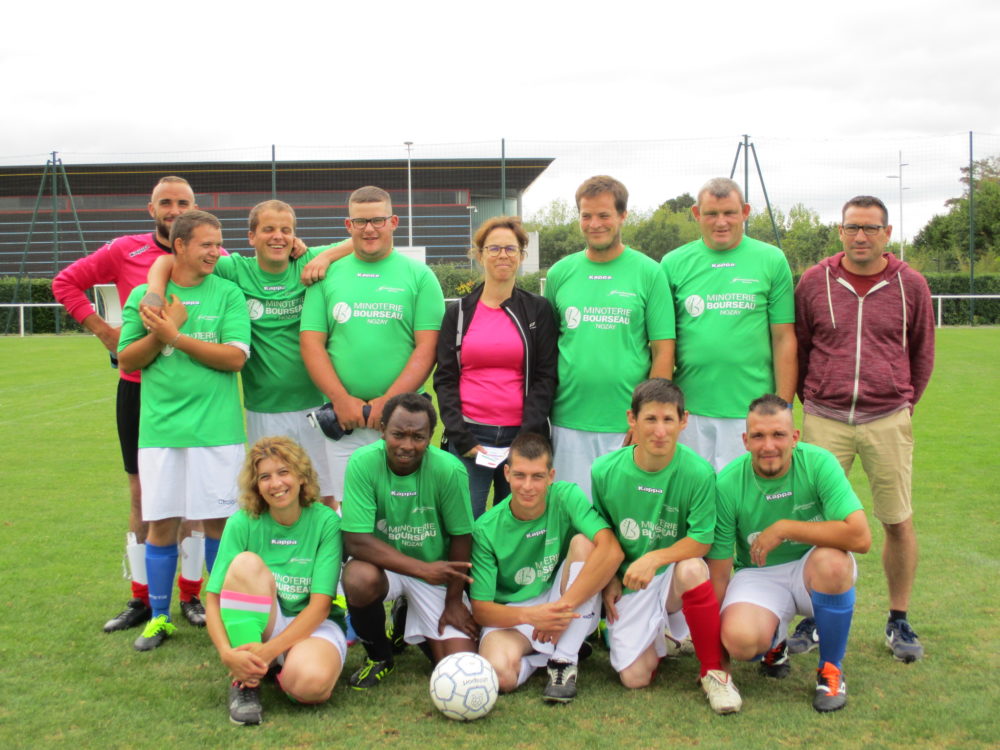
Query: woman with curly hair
{"points": [[268, 601]]}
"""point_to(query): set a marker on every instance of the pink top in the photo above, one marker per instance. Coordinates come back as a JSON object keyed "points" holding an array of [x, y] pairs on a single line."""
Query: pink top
{"points": [[124, 262], [491, 385]]}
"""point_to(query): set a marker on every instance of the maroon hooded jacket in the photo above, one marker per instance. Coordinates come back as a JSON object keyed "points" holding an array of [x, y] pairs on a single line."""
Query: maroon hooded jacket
{"points": [[863, 358]]}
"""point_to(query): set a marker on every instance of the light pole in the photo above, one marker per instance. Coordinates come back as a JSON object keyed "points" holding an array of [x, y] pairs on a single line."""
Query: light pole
{"points": [[902, 237], [409, 189]]}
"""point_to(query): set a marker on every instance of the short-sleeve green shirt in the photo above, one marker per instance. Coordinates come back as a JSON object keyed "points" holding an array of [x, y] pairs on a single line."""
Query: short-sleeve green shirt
{"points": [[514, 560], [185, 403], [813, 489], [274, 378], [608, 313], [726, 302], [370, 312], [417, 513], [304, 558], [653, 510]]}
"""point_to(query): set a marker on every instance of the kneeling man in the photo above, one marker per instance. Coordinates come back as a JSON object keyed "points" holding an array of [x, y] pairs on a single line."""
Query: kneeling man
{"points": [[539, 560], [659, 496], [794, 521], [408, 531]]}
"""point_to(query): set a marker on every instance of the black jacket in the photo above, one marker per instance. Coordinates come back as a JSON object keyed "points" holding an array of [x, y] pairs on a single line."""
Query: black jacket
{"points": [[535, 321]]}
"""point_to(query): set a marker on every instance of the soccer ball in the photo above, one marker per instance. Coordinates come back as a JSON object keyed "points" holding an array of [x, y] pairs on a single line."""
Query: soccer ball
{"points": [[464, 686]]}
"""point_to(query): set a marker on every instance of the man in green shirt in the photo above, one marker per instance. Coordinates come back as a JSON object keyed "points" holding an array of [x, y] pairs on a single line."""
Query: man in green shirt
{"points": [[539, 561], [191, 436], [735, 322], [788, 517], [369, 329], [616, 328], [408, 530], [659, 497]]}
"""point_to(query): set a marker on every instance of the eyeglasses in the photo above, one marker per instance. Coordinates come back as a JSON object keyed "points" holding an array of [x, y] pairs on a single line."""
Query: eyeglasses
{"points": [[870, 229], [509, 250], [376, 221]]}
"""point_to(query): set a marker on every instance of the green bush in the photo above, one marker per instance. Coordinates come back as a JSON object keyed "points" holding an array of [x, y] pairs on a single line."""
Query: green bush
{"points": [[956, 311], [457, 281], [36, 319]]}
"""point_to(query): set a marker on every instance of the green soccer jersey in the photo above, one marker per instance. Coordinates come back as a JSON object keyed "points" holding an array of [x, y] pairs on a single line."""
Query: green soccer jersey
{"points": [[369, 312], [514, 560], [608, 313], [304, 558], [274, 378], [185, 403], [417, 513], [653, 510], [814, 489], [726, 302]]}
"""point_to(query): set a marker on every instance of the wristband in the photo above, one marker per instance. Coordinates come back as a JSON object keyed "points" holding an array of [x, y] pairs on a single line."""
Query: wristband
{"points": [[176, 339]]}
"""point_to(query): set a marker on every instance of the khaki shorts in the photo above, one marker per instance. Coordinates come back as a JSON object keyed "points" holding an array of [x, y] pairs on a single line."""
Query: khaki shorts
{"points": [[886, 450]]}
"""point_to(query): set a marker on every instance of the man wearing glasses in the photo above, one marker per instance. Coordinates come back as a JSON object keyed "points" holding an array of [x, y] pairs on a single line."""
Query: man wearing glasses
{"points": [[865, 330], [735, 322], [369, 330]]}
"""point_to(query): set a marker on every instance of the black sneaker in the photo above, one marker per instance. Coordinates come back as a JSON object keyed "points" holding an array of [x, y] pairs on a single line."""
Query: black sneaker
{"points": [[775, 662], [562, 682], [371, 674], [194, 611], [136, 613], [805, 638], [397, 625], [831, 690], [244, 704]]}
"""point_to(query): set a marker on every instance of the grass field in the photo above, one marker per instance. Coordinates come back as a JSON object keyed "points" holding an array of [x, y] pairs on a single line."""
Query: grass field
{"points": [[63, 682]]}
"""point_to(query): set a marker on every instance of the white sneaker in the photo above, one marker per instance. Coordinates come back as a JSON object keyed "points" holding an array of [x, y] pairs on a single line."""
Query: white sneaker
{"points": [[722, 694]]}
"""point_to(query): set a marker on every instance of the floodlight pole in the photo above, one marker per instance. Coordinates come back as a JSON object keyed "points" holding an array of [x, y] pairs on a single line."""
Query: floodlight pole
{"points": [[409, 188], [902, 237], [749, 148]]}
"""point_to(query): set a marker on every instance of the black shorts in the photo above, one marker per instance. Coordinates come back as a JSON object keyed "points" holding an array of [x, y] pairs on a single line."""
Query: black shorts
{"points": [[127, 414]]}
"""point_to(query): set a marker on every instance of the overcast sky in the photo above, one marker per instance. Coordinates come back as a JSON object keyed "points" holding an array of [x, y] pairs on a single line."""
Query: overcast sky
{"points": [[100, 81]]}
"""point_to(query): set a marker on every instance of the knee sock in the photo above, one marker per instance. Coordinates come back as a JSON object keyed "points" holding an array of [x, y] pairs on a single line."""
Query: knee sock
{"points": [[211, 552], [701, 610], [161, 564], [833, 614], [244, 616], [369, 624], [192, 558], [135, 553], [568, 646]]}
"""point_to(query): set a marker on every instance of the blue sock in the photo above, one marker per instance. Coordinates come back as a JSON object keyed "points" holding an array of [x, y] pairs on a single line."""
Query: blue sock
{"points": [[833, 614], [161, 565], [211, 552]]}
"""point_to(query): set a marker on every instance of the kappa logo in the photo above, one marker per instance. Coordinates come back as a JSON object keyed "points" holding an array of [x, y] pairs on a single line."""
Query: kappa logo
{"points": [[525, 576], [573, 317], [342, 312], [140, 251], [695, 305], [255, 309], [629, 529]]}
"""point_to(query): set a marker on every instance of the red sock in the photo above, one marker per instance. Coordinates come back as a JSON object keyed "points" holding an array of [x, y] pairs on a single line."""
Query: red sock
{"points": [[140, 591], [701, 610], [188, 588]]}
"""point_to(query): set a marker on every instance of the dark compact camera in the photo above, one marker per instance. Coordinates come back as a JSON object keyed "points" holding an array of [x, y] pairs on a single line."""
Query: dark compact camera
{"points": [[325, 419]]}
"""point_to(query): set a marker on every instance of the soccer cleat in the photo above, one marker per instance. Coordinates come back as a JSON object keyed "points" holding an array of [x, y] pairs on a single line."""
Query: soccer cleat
{"points": [[371, 674], [194, 611], [676, 647], [135, 613], [154, 634], [397, 625], [805, 638], [722, 694], [562, 682], [831, 689], [775, 662], [902, 641], [244, 704]]}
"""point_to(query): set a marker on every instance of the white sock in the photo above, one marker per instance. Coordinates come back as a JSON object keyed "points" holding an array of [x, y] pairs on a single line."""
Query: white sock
{"points": [[568, 647], [136, 554], [193, 556], [525, 672]]}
